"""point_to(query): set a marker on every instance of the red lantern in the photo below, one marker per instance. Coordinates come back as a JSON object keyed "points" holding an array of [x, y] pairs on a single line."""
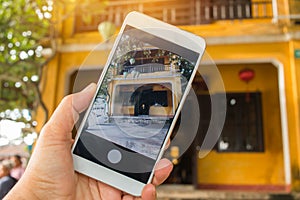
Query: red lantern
{"points": [[246, 74]]}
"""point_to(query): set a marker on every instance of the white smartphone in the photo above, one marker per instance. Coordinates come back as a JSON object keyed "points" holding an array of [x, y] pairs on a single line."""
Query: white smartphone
{"points": [[140, 93]]}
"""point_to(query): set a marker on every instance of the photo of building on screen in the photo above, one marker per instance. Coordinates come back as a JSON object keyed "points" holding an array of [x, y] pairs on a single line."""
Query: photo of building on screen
{"points": [[138, 98]]}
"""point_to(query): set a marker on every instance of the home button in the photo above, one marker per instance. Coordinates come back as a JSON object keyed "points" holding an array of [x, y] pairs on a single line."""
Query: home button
{"points": [[114, 156]]}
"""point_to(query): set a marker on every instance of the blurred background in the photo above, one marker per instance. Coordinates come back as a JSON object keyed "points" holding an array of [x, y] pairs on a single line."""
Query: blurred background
{"points": [[255, 45]]}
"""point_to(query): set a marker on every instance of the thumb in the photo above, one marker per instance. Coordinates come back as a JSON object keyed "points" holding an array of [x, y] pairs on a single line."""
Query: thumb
{"points": [[67, 113]]}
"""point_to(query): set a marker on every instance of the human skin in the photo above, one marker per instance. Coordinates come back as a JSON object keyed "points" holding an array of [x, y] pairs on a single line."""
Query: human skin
{"points": [[50, 173]]}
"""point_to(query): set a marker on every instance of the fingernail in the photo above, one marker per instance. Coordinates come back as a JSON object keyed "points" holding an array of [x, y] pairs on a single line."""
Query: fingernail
{"points": [[163, 163], [88, 88]]}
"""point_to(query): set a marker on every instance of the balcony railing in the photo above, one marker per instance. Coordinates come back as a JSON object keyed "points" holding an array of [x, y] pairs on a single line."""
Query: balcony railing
{"points": [[177, 12]]}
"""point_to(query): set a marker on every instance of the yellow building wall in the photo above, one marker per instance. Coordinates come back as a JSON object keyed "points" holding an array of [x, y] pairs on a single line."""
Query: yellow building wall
{"points": [[48, 90], [70, 62], [295, 70], [296, 46]]}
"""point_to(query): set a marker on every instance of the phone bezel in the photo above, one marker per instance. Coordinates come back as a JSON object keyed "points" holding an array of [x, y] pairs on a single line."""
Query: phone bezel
{"points": [[152, 26]]}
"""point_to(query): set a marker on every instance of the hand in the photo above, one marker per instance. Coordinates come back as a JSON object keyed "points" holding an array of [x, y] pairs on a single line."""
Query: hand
{"points": [[50, 173]]}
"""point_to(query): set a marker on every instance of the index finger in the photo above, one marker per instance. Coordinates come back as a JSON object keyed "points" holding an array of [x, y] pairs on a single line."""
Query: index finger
{"points": [[162, 171]]}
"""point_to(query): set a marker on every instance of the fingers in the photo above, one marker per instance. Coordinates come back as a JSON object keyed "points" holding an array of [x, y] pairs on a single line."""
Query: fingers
{"points": [[129, 197], [67, 113], [109, 193], [149, 192], [162, 171]]}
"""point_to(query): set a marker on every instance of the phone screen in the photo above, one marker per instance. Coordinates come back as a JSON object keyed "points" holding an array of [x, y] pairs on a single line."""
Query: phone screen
{"points": [[136, 103]]}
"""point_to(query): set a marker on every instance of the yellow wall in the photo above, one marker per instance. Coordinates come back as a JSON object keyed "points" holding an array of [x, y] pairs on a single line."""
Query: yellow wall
{"points": [[295, 144], [69, 62]]}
